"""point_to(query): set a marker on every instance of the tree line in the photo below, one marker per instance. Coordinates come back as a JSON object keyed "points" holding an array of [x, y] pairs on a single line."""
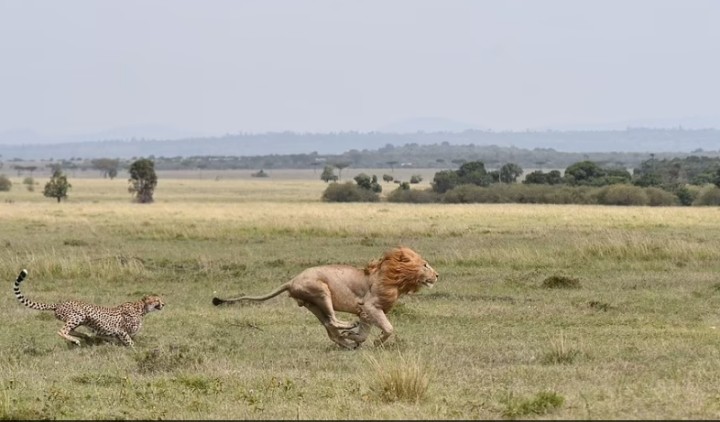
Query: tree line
{"points": [[678, 181]]}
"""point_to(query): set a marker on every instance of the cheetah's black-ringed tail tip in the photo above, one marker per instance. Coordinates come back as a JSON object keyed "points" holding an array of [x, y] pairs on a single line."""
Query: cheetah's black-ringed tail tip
{"points": [[22, 275], [216, 301]]}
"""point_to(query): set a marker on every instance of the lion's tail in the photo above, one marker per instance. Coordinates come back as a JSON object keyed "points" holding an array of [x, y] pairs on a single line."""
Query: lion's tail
{"points": [[217, 301]]}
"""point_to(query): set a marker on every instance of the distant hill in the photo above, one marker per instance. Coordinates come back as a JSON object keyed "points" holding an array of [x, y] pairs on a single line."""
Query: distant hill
{"points": [[429, 125], [629, 140]]}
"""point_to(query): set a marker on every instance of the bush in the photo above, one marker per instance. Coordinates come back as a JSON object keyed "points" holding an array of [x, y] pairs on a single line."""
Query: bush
{"points": [[5, 183], [709, 195], [348, 192], [522, 194], [468, 194], [29, 182], [416, 178], [687, 194], [622, 194], [658, 197], [415, 196]]}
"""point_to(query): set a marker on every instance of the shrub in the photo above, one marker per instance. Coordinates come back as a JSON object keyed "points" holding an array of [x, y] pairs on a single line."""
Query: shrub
{"points": [[467, 194], [416, 178], [687, 194], [522, 193], [29, 182], [5, 183], [348, 192], [709, 195], [260, 173], [622, 194], [415, 196], [659, 197]]}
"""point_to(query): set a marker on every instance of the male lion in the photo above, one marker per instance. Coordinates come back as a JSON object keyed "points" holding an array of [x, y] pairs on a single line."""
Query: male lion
{"points": [[368, 292]]}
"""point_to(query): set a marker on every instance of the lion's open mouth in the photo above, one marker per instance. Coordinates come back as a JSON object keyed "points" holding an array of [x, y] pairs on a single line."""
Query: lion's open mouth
{"points": [[430, 283]]}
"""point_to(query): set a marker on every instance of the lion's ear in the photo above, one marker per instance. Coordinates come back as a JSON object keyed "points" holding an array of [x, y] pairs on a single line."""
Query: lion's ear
{"points": [[402, 255]]}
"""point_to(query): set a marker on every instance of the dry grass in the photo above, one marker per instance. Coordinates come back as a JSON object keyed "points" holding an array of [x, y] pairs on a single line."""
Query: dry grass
{"points": [[638, 339]]}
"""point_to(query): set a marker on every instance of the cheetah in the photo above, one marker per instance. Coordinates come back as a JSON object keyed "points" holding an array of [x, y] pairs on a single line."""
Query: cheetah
{"points": [[121, 322]]}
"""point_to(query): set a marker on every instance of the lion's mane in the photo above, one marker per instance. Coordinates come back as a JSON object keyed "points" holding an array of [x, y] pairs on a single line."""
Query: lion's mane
{"points": [[399, 271]]}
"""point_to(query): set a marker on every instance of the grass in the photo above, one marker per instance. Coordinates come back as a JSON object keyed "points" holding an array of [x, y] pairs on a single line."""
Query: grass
{"points": [[399, 378], [638, 339]]}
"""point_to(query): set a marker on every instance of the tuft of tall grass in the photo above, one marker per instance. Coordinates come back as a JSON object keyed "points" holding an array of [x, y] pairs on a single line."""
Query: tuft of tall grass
{"points": [[560, 353], [399, 378]]}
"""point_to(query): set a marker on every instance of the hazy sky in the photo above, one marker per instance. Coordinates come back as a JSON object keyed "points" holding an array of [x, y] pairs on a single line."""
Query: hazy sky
{"points": [[214, 67]]}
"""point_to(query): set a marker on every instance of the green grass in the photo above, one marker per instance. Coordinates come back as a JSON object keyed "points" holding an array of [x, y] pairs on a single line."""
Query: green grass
{"points": [[636, 337]]}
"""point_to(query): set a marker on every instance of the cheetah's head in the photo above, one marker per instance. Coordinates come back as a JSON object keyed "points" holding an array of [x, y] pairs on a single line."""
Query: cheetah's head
{"points": [[152, 303]]}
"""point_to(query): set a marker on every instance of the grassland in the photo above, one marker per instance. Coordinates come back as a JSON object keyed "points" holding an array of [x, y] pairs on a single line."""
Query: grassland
{"points": [[633, 336]]}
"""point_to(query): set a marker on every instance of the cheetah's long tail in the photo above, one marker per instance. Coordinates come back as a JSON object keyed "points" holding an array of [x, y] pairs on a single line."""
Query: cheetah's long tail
{"points": [[27, 302]]}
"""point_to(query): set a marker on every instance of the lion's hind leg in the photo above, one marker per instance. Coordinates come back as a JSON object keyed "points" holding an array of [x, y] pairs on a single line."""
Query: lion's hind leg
{"points": [[320, 297], [332, 332], [358, 334]]}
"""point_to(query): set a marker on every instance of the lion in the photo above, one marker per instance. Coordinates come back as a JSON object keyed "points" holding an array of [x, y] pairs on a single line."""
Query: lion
{"points": [[368, 292]]}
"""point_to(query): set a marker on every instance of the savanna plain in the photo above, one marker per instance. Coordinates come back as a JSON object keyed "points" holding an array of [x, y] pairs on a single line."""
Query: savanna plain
{"points": [[541, 311]]}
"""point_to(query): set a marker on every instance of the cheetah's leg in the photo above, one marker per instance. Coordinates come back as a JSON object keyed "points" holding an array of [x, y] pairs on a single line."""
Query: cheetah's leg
{"points": [[126, 339], [69, 326]]}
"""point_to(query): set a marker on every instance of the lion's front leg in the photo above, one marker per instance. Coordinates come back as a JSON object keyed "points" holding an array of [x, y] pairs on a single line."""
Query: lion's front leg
{"points": [[377, 317]]}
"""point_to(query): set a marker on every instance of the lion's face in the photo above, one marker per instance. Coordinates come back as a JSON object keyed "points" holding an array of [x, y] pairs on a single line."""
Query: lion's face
{"points": [[406, 269], [429, 275]]}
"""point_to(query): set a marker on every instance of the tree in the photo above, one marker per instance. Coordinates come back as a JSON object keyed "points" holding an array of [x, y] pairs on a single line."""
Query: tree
{"points": [[388, 178], [473, 172], [328, 174], [583, 173], [107, 166], [58, 186], [340, 166], [510, 172], [536, 177], [143, 180], [366, 182], [444, 180]]}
